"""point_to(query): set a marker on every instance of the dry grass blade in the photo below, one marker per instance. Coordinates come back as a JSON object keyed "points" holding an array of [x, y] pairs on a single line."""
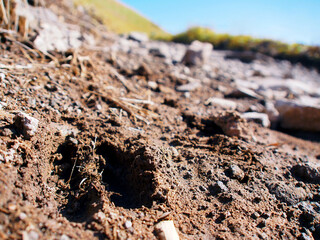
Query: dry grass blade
{"points": [[122, 80], [11, 32], [4, 16], [132, 100], [3, 66]]}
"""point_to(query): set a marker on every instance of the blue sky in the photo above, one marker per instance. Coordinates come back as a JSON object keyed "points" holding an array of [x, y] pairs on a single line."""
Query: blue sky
{"points": [[285, 20]]}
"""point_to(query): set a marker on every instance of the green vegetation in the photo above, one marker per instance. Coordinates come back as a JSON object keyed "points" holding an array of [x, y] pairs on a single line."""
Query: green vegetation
{"points": [[307, 55], [120, 18]]}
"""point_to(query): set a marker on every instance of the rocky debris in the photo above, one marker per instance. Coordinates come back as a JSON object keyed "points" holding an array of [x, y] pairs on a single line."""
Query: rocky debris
{"points": [[171, 53], [166, 230], [236, 172], [26, 124], [272, 113], [217, 188], [11, 154], [138, 37], [128, 224], [246, 56], [242, 92], [306, 236], [260, 118], [64, 237], [53, 34], [189, 87], [65, 130], [222, 103], [197, 53], [160, 51], [143, 70], [231, 123], [287, 193], [299, 116], [31, 235], [306, 173], [289, 86], [153, 85]]}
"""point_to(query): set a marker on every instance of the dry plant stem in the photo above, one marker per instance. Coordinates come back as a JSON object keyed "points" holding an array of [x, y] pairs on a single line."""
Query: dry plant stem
{"points": [[4, 12], [132, 100], [11, 32], [73, 167], [26, 54], [122, 80], [113, 101]]}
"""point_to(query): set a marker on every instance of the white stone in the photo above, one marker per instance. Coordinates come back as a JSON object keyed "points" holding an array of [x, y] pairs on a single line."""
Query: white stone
{"points": [[197, 53], [128, 224], [65, 130], [189, 87], [221, 102], [23, 216], [53, 34], [152, 85], [26, 124], [32, 235], [64, 237], [258, 117], [299, 115], [272, 112], [166, 231]]}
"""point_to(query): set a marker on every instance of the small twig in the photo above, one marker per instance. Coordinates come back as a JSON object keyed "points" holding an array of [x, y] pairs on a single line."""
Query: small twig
{"points": [[4, 13], [82, 181], [4, 211], [122, 80], [145, 111], [26, 55], [137, 101], [74, 165], [11, 32], [53, 58], [142, 119], [116, 103], [135, 129], [3, 66]]}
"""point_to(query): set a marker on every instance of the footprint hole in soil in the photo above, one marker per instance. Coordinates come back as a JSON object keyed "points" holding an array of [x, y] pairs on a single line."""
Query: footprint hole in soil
{"points": [[76, 205], [127, 177]]}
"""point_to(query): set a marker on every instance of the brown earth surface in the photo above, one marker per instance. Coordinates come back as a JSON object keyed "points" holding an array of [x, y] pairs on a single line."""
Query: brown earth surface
{"points": [[114, 154]]}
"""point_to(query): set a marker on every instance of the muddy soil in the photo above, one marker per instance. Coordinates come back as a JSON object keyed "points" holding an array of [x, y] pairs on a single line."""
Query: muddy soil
{"points": [[119, 149]]}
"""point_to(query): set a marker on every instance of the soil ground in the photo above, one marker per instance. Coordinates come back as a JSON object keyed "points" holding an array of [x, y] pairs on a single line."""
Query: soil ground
{"points": [[110, 159]]}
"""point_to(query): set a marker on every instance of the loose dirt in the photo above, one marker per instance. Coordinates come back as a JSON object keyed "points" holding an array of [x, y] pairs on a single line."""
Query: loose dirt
{"points": [[113, 154]]}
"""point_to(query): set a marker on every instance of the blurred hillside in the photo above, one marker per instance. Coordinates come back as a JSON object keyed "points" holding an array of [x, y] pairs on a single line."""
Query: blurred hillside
{"points": [[307, 55], [122, 19]]}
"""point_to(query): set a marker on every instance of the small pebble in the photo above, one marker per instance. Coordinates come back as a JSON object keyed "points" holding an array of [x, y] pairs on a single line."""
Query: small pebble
{"points": [[22, 216], [219, 187], [128, 224], [255, 215], [262, 224], [32, 235], [64, 237], [236, 172], [26, 124]]}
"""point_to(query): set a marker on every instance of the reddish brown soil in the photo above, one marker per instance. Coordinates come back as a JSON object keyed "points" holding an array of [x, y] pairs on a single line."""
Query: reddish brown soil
{"points": [[99, 161]]}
